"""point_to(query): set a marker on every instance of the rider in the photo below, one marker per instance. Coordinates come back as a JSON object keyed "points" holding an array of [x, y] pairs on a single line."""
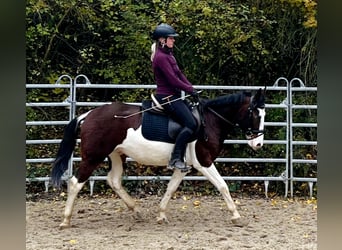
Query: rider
{"points": [[170, 82]]}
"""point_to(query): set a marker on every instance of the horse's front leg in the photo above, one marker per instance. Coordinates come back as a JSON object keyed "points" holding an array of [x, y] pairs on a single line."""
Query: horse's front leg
{"points": [[172, 186], [216, 179]]}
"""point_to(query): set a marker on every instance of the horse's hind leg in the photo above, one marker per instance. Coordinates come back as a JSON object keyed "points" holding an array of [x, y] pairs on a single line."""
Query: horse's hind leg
{"points": [[216, 179], [75, 185], [74, 188], [114, 180], [172, 186]]}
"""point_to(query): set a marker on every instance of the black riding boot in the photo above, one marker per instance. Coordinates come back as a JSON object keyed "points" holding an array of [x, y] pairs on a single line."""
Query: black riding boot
{"points": [[177, 156]]}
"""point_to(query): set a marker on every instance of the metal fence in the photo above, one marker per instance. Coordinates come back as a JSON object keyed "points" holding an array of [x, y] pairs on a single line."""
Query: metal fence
{"points": [[281, 84]]}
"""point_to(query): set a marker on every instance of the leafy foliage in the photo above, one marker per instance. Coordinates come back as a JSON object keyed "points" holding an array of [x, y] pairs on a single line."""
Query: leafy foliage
{"points": [[248, 42]]}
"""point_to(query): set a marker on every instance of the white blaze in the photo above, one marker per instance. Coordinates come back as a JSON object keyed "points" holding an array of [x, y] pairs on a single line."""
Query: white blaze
{"points": [[258, 141]]}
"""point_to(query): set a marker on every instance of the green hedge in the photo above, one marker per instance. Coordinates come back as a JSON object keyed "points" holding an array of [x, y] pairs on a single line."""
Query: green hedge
{"points": [[221, 42]]}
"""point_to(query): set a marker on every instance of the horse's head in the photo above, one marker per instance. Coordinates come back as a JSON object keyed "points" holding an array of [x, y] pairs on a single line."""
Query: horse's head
{"points": [[253, 120], [244, 111]]}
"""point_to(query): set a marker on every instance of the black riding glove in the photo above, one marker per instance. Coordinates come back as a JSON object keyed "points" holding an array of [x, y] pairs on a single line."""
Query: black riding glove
{"points": [[194, 94]]}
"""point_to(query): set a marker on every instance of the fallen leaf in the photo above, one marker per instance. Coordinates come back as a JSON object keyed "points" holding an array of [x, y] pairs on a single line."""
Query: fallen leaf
{"points": [[196, 203], [273, 202], [73, 242], [296, 218], [311, 201]]}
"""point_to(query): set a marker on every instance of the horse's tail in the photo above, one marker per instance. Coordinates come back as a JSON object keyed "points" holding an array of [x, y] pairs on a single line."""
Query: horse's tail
{"points": [[66, 148]]}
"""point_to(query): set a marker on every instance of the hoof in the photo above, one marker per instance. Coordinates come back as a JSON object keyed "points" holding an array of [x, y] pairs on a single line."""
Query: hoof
{"points": [[137, 215], [64, 226], [162, 220], [240, 222]]}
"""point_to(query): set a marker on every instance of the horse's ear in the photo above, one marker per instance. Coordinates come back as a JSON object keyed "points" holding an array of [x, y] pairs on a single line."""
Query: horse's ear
{"points": [[258, 94], [261, 92], [259, 98]]}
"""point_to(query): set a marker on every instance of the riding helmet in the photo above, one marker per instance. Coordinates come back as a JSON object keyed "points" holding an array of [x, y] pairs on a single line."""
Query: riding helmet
{"points": [[163, 30]]}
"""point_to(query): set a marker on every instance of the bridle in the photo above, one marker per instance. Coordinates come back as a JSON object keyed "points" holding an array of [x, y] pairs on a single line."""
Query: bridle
{"points": [[222, 118], [250, 133], [253, 133]]}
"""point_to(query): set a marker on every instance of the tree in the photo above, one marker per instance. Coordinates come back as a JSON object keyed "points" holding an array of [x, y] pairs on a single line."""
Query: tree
{"points": [[236, 42]]}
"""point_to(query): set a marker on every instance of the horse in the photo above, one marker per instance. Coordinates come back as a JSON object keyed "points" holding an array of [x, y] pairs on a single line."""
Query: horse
{"points": [[114, 131]]}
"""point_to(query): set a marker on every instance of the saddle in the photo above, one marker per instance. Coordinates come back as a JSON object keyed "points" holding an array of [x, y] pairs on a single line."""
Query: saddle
{"points": [[158, 126]]}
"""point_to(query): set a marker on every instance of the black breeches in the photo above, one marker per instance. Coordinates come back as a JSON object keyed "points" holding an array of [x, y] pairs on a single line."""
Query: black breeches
{"points": [[179, 111]]}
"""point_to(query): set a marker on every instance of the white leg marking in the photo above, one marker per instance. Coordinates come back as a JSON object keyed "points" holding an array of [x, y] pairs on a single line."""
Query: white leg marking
{"points": [[216, 179], [172, 186], [114, 180], [74, 188]]}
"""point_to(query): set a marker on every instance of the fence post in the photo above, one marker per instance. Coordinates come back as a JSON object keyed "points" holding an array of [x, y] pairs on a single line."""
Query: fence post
{"points": [[286, 102], [74, 92], [72, 113], [70, 99], [290, 126]]}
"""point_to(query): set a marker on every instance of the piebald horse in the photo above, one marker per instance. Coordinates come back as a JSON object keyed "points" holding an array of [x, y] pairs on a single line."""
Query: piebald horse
{"points": [[115, 131]]}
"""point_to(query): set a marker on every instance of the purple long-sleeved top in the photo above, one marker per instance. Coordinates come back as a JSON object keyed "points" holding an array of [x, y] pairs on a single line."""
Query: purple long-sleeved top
{"points": [[169, 78]]}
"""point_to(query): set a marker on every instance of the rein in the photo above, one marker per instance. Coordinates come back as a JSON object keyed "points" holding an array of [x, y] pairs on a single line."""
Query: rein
{"points": [[222, 118]]}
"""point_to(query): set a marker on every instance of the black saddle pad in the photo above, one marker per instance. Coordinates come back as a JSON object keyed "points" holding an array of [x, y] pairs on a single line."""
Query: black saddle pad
{"points": [[158, 126]]}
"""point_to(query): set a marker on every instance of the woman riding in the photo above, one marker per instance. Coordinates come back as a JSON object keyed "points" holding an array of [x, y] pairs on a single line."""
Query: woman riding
{"points": [[170, 82]]}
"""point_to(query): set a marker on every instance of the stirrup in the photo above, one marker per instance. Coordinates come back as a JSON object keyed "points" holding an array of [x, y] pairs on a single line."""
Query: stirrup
{"points": [[177, 163]]}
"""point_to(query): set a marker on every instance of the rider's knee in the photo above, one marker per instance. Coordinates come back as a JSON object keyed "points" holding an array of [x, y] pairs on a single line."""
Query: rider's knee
{"points": [[189, 130]]}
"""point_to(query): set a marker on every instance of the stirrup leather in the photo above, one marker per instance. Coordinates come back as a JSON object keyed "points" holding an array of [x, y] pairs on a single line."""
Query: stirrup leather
{"points": [[155, 104]]}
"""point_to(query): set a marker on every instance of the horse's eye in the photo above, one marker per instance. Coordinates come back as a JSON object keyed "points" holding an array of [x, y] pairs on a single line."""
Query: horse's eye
{"points": [[249, 133]]}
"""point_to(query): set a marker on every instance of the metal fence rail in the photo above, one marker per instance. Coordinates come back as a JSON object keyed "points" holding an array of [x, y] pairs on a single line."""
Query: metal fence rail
{"points": [[287, 176]]}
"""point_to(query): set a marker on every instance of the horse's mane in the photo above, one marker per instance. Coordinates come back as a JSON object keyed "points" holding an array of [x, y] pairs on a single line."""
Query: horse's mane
{"points": [[236, 98]]}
